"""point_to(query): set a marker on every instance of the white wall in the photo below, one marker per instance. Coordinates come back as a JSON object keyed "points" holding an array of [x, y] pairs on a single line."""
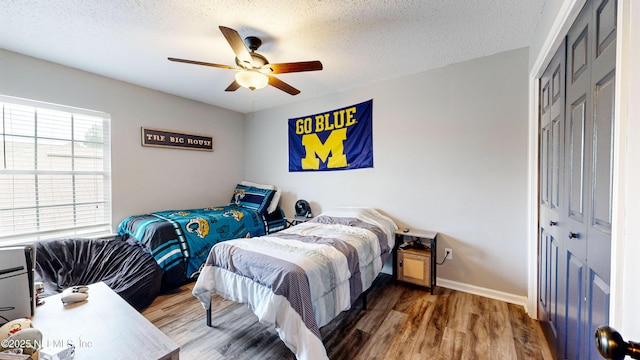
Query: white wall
{"points": [[626, 232], [450, 153], [144, 179]]}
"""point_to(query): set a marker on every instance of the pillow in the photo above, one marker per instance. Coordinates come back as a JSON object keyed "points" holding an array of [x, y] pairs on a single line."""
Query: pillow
{"points": [[273, 205], [259, 186], [274, 201], [251, 197]]}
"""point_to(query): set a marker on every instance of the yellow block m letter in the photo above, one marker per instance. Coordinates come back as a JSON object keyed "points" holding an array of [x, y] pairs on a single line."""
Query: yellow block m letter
{"points": [[334, 145]]}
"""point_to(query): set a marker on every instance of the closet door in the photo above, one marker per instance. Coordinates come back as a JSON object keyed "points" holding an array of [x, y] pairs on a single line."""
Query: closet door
{"points": [[601, 167], [552, 199], [590, 74], [579, 110]]}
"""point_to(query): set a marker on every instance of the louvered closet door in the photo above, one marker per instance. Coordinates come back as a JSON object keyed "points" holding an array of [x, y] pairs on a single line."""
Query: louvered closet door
{"points": [[552, 199], [589, 117]]}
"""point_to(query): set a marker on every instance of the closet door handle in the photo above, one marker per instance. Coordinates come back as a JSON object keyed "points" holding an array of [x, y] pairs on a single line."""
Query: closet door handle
{"points": [[573, 235], [553, 223], [611, 345]]}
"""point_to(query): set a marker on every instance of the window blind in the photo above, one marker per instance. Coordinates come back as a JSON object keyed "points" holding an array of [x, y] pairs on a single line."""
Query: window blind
{"points": [[55, 171]]}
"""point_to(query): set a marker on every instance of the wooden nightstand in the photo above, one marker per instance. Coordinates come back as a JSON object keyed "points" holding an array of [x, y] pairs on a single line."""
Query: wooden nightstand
{"points": [[416, 264]]}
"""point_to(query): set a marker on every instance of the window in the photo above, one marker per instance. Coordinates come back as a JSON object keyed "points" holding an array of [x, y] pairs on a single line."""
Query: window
{"points": [[55, 171]]}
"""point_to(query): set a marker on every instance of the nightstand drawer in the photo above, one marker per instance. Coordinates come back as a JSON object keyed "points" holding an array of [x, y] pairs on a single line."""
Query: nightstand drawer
{"points": [[414, 266]]}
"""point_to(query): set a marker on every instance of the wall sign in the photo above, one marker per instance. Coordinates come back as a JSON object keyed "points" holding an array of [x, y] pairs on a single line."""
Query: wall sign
{"points": [[334, 140], [177, 140]]}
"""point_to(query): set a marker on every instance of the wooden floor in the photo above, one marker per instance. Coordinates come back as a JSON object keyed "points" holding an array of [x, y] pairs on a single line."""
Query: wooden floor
{"points": [[400, 322]]}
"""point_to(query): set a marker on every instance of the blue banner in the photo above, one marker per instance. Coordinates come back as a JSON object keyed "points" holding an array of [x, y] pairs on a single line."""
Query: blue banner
{"points": [[334, 140]]}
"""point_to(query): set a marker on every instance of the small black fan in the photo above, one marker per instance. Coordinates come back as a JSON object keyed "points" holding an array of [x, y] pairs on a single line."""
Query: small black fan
{"points": [[303, 209]]}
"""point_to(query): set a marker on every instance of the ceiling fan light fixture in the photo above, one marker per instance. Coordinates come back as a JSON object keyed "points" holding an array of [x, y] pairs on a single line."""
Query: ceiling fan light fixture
{"points": [[253, 71], [252, 79]]}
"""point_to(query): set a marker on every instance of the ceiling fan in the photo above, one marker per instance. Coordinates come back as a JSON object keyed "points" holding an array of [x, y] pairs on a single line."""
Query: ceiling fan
{"points": [[253, 70]]}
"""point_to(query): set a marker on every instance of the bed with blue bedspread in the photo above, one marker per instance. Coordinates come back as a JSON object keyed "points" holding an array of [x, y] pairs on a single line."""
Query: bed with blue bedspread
{"points": [[180, 240]]}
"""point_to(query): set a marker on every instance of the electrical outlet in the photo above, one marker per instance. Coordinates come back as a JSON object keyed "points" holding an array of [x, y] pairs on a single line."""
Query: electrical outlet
{"points": [[449, 253]]}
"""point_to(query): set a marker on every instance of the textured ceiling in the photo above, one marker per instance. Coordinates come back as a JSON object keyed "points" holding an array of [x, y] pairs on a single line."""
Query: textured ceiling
{"points": [[359, 42]]}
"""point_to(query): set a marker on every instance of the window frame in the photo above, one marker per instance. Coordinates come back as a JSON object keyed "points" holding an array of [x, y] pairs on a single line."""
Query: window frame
{"points": [[102, 226]]}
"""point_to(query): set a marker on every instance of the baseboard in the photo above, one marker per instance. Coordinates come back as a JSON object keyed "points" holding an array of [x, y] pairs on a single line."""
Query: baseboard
{"points": [[489, 293]]}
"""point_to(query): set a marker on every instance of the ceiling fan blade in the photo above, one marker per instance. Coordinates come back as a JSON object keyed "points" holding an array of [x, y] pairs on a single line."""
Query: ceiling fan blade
{"points": [[233, 86], [294, 67], [234, 39], [202, 63], [275, 82]]}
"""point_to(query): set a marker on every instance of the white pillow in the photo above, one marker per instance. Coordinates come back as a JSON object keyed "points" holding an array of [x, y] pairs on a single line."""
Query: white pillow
{"points": [[274, 202], [273, 205]]}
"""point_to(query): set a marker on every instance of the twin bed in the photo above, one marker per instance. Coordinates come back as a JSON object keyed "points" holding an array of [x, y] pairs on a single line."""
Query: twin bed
{"points": [[301, 278], [180, 240]]}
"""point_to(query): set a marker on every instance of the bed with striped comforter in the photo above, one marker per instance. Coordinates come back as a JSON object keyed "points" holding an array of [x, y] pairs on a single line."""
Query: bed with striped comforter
{"points": [[301, 278]]}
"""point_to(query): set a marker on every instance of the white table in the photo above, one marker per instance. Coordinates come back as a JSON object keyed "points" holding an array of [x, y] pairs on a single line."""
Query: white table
{"points": [[102, 327]]}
